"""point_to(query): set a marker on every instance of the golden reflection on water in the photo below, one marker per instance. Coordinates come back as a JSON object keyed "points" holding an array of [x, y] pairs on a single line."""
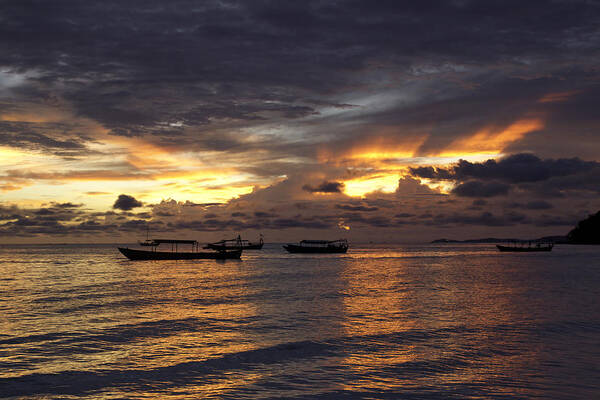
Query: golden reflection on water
{"points": [[178, 291], [386, 298], [375, 319]]}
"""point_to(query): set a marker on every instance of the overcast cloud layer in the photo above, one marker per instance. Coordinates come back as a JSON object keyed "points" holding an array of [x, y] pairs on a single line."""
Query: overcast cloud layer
{"points": [[434, 118]]}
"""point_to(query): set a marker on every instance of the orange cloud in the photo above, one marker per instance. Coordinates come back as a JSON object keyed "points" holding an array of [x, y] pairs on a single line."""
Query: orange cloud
{"points": [[382, 182], [491, 140], [558, 97], [91, 175], [385, 144], [9, 187]]}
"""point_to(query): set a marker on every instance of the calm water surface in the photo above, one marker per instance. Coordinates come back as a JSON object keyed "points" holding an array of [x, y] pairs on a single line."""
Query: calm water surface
{"points": [[384, 322]]}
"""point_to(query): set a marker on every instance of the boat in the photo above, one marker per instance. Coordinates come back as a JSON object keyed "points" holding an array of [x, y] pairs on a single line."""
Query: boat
{"points": [[175, 254], [529, 248], [318, 246], [148, 242], [135, 255], [237, 243]]}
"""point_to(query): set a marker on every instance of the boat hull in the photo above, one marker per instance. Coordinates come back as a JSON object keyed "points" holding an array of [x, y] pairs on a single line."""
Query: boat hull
{"points": [[293, 248], [134, 254], [523, 249]]}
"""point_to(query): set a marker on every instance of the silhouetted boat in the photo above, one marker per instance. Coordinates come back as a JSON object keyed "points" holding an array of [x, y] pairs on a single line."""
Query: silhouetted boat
{"points": [[529, 248], [148, 242], [175, 254], [318, 246], [237, 243]]}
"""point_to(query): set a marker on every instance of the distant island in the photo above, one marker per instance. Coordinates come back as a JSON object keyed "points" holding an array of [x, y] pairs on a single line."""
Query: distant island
{"points": [[587, 231], [553, 239]]}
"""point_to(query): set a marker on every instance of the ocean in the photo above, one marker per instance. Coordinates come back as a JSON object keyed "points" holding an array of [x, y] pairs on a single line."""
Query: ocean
{"points": [[434, 321]]}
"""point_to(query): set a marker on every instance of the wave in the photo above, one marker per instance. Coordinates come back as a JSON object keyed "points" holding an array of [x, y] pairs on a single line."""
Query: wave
{"points": [[461, 351], [83, 382]]}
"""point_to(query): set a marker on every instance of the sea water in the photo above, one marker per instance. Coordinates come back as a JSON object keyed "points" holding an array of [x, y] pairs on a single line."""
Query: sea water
{"points": [[381, 322]]}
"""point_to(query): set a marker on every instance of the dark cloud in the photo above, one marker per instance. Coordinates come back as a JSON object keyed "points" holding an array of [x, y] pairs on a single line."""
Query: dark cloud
{"points": [[325, 187], [285, 223], [529, 173], [67, 205], [517, 168], [218, 225], [485, 219], [125, 202], [555, 220], [431, 172], [262, 214], [532, 205], [60, 219], [481, 189], [50, 137], [155, 69], [350, 207], [204, 205]]}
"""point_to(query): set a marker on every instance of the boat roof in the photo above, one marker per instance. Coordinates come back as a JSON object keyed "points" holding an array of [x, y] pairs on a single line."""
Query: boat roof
{"points": [[322, 241], [159, 241], [230, 240]]}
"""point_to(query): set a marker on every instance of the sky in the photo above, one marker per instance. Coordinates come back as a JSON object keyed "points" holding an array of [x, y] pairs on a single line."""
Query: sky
{"points": [[380, 121]]}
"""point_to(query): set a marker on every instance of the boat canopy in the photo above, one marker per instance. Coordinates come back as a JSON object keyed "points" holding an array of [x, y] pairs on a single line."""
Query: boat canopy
{"points": [[224, 241], [175, 241], [322, 241]]}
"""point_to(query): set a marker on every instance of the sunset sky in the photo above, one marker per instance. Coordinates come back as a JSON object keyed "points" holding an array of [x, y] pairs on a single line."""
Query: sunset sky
{"points": [[377, 121]]}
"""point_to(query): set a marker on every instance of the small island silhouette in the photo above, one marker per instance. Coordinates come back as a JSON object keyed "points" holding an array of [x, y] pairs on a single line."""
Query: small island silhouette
{"points": [[587, 231]]}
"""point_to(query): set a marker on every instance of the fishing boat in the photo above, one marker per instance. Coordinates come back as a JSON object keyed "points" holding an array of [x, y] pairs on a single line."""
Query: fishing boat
{"points": [[148, 242], [237, 243], [318, 246], [522, 248], [175, 254]]}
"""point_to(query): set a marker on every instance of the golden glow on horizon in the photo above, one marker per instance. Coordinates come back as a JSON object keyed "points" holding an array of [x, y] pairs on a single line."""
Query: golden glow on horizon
{"points": [[111, 165]]}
